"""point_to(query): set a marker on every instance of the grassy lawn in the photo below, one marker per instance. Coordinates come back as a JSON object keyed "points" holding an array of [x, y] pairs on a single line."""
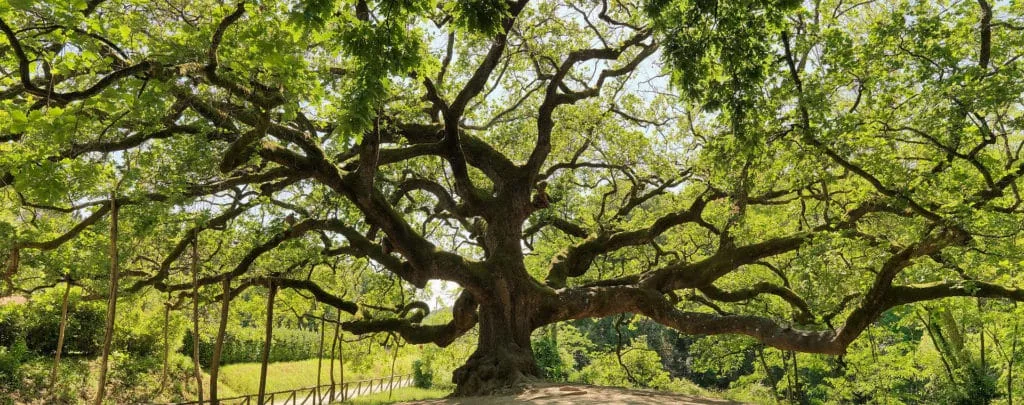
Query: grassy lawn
{"points": [[399, 395], [223, 390], [244, 378]]}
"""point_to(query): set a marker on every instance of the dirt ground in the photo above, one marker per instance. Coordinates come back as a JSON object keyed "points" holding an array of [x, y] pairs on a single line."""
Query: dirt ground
{"points": [[543, 394]]}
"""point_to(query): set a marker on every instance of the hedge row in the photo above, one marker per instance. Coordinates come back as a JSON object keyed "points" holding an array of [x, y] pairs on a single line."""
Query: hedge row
{"points": [[245, 346], [38, 326]]}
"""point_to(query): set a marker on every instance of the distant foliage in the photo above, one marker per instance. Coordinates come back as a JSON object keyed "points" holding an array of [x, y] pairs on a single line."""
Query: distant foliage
{"points": [[244, 345], [422, 375], [549, 361], [38, 323], [643, 365], [10, 362]]}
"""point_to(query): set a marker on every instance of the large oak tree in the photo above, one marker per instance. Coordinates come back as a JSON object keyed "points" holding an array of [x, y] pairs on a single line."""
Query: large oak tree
{"points": [[783, 170]]}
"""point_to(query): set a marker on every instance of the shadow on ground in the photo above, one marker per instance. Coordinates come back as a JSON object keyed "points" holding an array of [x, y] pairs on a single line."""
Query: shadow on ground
{"points": [[580, 394]]}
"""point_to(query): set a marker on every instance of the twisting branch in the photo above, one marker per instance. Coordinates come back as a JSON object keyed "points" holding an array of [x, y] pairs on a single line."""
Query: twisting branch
{"points": [[24, 73], [553, 97], [575, 261], [464, 317]]}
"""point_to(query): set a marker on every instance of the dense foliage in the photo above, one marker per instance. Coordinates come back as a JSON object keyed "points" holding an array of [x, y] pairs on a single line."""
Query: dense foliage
{"points": [[243, 346], [37, 324], [825, 187]]}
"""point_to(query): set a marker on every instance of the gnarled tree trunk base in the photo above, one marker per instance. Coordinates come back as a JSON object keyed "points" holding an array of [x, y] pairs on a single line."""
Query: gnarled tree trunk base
{"points": [[492, 370]]}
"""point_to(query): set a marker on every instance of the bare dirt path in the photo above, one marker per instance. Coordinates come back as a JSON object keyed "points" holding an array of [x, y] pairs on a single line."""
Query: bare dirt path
{"points": [[545, 394]]}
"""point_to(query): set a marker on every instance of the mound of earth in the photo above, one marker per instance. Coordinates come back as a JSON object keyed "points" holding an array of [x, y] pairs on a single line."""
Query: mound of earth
{"points": [[562, 394]]}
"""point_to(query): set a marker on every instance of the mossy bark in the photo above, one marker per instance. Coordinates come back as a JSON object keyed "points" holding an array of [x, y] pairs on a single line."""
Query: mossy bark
{"points": [[503, 358]]}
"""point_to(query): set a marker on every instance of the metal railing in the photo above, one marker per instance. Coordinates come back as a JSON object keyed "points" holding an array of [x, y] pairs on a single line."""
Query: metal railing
{"points": [[318, 395]]}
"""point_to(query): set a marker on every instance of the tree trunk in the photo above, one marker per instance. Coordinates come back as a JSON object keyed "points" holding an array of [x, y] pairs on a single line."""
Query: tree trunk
{"points": [[167, 343], [320, 354], [1013, 356], [266, 342], [218, 345], [796, 380], [391, 381], [768, 374], [334, 346], [60, 336], [195, 322], [341, 359], [108, 332], [503, 358]]}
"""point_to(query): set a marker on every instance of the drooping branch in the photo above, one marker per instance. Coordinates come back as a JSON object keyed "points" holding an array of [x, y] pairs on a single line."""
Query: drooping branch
{"points": [[190, 236], [71, 233], [725, 260], [24, 73], [576, 261], [561, 224], [585, 302], [318, 292], [758, 289], [464, 317], [577, 303]]}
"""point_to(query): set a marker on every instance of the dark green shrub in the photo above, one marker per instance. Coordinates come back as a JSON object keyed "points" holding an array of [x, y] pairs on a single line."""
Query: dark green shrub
{"points": [[11, 359], [129, 371], [245, 345], [141, 333], [82, 335], [545, 352], [422, 374], [12, 324], [40, 323]]}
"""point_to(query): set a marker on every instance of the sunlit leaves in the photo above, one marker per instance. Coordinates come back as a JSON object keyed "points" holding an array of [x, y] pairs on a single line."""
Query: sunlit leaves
{"points": [[721, 52], [479, 16]]}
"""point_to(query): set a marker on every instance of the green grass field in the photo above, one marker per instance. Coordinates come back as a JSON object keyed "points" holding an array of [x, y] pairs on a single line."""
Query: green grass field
{"points": [[399, 395], [223, 390], [244, 378]]}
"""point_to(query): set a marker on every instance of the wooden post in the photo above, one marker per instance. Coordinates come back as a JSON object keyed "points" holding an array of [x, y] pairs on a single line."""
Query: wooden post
{"points": [[60, 336], [320, 354], [768, 373], [341, 355], [334, 346], [266, 342], [111, 302], [218, 345], [1013, 356], [391, 381], [195, 320], [167, 343], [796, 378]]}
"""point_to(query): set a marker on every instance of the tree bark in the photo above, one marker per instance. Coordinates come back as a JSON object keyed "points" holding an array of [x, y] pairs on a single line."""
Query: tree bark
{"points": [[266, 342], [60, 336], [1013, 356], [195, 322], [391, 381], [503, 358], [108, 333], [320, 354], [218, 345], [334, 346], [341, 359], [167, 343], [768, 373], [796, 379], [981, 333]]}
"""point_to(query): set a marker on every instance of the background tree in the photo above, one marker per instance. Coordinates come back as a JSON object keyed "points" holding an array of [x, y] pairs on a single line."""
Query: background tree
{"points": [[781, 170]]}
